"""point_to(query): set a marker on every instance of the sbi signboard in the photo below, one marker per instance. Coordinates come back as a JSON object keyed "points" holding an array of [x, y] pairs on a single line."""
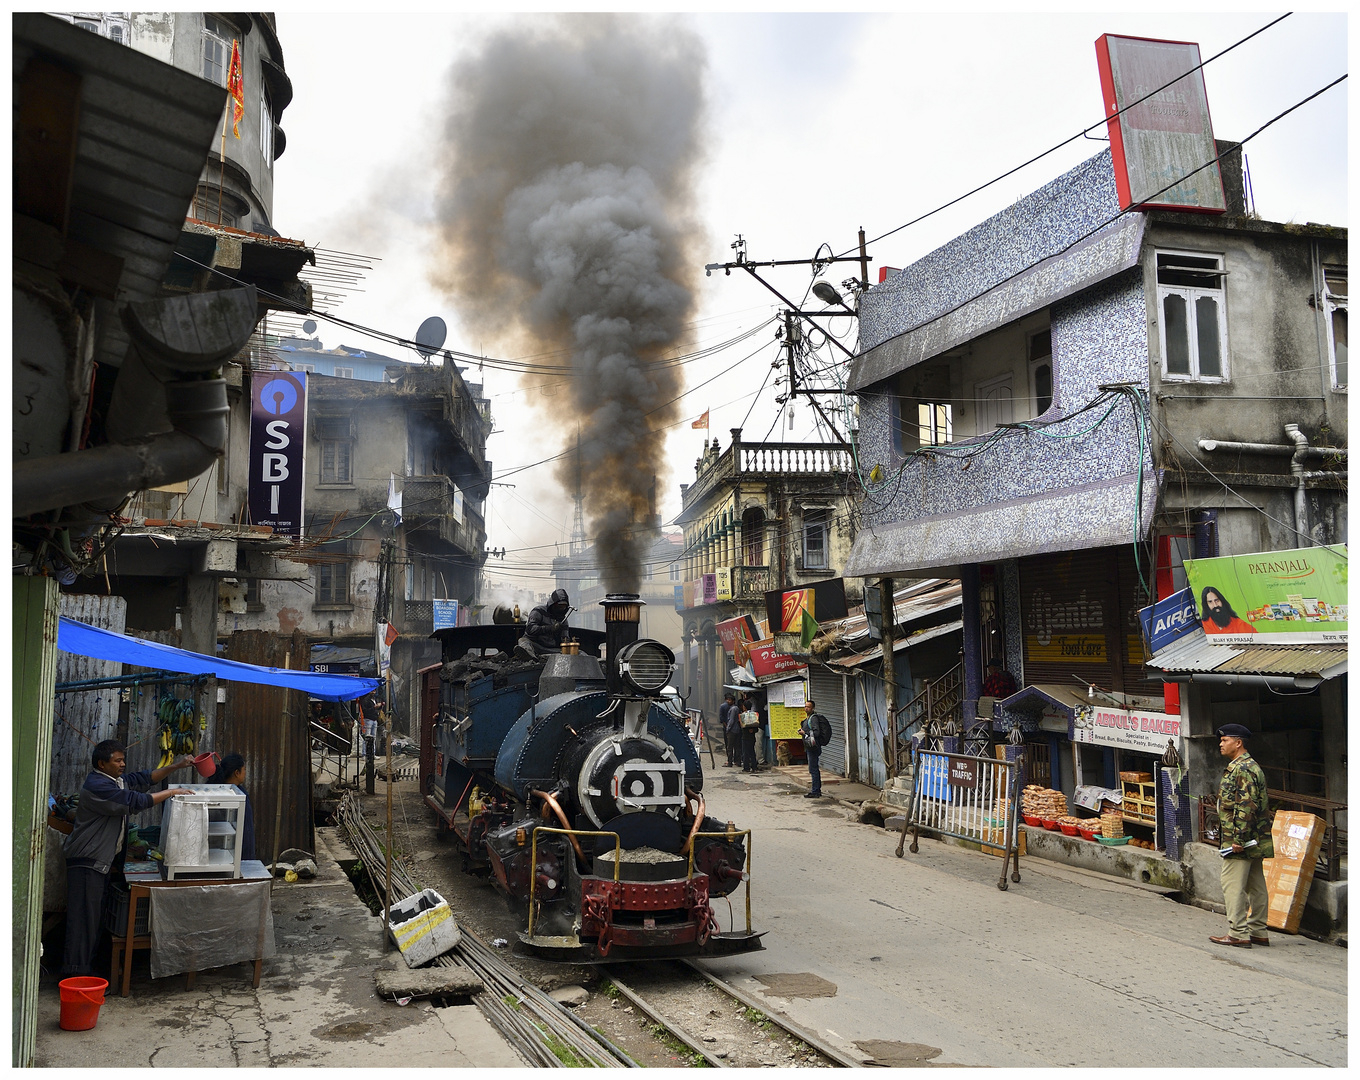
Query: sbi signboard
{"points": [[278, 426]]}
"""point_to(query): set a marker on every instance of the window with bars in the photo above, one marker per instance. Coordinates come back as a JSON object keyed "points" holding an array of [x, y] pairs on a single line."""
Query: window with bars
{"points": [[337, 445], [1338, 333], [1193, 323]]}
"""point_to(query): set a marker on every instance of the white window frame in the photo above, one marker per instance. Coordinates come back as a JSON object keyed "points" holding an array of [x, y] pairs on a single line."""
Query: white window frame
{"points": [[104, 24], [210, 36], [982, 406], [821, 523], [938, 436], [266, 131], [344, 373], [1332, 303], [1190, 295]]}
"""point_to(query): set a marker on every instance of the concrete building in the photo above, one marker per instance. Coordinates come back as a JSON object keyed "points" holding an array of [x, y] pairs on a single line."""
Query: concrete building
{"points": [[420, 430], [1065, 403], [758, 517]]}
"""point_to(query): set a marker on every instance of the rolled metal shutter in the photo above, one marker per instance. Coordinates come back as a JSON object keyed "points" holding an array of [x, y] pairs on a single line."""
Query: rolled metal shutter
{"points": [[827, 692], [1070, 600]]}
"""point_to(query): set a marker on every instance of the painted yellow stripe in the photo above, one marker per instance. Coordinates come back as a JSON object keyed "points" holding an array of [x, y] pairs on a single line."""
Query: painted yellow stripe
{"points": [[408, 933]]}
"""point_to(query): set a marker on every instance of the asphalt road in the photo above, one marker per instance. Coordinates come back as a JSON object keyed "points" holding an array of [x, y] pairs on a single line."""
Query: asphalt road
{"points": [[931, 962]]}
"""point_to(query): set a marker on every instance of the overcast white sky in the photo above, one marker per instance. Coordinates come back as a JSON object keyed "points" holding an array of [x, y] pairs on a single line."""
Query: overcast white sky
{"points": [[818, 124]]}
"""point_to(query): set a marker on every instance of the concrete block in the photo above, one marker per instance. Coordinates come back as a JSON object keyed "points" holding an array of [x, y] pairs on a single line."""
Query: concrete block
{"points": [[426, 982], [216, 557], [1131, 863]]}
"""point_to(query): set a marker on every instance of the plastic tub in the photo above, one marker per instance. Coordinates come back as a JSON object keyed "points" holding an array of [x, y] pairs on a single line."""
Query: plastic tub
{"points": [[1068, 830], [1031, 820], [81, 997], [1113, 841], [1051, 826]]}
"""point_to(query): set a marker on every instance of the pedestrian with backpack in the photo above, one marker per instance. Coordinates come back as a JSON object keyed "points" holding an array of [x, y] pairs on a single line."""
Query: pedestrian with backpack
{"points": [[816, 732]]}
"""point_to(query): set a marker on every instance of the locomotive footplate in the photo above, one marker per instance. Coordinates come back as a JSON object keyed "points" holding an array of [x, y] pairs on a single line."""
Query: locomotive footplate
{"points": [[570, 949]]}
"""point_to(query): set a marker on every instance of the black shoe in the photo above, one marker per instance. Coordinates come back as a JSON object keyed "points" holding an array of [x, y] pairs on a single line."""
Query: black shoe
{"points": [[813, 795]]}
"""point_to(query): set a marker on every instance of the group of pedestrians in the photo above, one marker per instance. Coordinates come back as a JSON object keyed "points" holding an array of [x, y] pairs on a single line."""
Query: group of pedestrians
{"points": [[741, 723]]}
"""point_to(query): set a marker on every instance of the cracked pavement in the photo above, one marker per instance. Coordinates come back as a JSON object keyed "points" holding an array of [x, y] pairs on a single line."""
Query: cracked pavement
{"points": [[315, 1005]]}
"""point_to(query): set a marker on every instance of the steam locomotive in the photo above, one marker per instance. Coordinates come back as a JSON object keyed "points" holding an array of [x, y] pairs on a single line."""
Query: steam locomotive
{"points": [[575, 786]]}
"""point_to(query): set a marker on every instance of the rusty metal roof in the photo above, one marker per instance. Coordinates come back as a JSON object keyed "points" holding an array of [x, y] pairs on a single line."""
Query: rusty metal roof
{"points": [[876, 653], [1198, 653]]}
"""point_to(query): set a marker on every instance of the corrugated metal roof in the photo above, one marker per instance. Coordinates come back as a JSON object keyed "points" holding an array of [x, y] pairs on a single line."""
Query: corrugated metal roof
{"points": [[911, 602], [899, 644], [1198, 653], [144, 135]]}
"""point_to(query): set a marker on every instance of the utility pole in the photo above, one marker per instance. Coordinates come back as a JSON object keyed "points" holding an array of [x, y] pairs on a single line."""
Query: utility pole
{"points": [[888, 618], [863, 261]]}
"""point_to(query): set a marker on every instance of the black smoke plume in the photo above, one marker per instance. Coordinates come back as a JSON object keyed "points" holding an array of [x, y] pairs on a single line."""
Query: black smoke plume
{"points": [[566, 211]]}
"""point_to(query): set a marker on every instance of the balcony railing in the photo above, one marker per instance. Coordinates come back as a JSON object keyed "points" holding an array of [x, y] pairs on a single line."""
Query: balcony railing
{"points": [[427, 504], [751, 582], [783, 458]]}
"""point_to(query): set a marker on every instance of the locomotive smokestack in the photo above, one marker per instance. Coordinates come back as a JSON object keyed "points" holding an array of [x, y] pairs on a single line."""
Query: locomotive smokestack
{"points": [[622, 613]]}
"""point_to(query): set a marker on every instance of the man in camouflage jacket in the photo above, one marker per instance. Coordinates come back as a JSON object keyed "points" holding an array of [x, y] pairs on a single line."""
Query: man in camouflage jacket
{"points": [[1243, 818]]}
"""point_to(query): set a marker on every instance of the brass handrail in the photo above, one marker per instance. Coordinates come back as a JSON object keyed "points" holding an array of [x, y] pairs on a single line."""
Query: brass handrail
{"points": [[571, 834]]}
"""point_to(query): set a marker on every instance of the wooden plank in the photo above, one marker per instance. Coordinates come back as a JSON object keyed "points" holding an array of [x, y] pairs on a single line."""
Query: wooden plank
{"points": [[45, 142], [34, 675]]}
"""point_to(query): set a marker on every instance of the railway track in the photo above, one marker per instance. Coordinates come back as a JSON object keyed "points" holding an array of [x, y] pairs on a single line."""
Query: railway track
{"points": [[547, 1034]]}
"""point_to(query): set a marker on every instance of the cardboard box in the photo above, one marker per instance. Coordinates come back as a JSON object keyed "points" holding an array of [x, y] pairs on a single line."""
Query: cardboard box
{"points": [[1289, 875]]}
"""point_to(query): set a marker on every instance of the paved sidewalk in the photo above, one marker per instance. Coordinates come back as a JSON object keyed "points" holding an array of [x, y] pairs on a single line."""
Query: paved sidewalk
{"points": [[315, 1004], [923, 959]]}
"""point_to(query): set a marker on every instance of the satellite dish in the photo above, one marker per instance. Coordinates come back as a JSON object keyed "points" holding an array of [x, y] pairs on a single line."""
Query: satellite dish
{"points": [[309, 327], [430, 336]]}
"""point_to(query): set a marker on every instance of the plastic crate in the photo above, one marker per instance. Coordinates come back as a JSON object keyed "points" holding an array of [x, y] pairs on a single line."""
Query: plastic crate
{"points": [[116, 913]]}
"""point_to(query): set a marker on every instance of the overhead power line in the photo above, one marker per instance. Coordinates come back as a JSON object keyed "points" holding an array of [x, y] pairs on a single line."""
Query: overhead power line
{"points": [[1070, 139]]}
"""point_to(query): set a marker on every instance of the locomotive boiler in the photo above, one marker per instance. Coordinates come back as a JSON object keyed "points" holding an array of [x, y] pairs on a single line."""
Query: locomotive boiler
{"points": [[573, 784]]}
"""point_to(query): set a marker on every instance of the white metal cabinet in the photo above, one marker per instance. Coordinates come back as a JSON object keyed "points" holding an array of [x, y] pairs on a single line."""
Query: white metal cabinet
{"points": [[197, 841]]}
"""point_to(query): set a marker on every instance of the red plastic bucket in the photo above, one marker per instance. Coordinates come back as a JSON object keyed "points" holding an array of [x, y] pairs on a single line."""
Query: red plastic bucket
{"points": [[205, 765], [81, 997]]}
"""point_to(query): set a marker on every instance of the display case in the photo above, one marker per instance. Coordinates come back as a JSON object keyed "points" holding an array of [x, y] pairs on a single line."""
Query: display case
{"points": [[202, 833]]}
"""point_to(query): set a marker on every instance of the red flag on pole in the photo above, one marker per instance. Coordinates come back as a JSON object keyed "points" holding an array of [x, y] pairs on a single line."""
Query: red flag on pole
{"points": [[236, 89], [702, 422]]}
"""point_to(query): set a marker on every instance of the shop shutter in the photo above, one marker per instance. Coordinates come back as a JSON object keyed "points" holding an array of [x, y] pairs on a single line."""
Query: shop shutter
{"points": [[1069, 609], [827, 691]]}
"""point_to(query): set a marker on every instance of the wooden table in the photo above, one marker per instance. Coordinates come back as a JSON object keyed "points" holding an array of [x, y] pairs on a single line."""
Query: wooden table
{"points": [[140, 885]]}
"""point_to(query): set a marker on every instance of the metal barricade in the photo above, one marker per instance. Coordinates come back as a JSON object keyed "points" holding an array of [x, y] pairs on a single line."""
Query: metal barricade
{"points": [[970, 798]]}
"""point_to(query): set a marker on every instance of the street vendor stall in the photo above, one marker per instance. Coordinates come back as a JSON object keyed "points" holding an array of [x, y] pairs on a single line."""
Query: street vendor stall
{"points": [[202, 905]]}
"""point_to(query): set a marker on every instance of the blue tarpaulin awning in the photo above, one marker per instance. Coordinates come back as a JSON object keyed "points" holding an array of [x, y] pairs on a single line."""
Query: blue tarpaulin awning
{"points": [[85, 640]]}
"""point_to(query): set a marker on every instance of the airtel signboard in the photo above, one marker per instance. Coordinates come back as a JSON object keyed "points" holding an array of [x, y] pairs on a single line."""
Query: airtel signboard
{"points": [[278, 425]]}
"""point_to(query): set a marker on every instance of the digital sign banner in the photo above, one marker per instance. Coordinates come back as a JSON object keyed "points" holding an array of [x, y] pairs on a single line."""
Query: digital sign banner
{"points": [[1296, 597], [823, 600], [278, 428], [1162, 141]]}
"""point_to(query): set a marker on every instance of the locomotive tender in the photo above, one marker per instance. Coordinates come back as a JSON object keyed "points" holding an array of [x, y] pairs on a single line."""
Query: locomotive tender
{"points": [[574, 785]]}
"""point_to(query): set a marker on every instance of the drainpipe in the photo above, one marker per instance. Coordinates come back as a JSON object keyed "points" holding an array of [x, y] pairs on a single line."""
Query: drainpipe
{"points": [[1301, 530], [176, 341]]}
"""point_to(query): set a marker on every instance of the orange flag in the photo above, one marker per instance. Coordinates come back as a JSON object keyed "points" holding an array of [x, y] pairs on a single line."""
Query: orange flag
{"points": [[702, 422], [236, 89]]}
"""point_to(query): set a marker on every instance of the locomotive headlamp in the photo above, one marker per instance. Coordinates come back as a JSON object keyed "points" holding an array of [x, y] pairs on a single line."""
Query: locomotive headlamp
{"points": [[647, 666]]}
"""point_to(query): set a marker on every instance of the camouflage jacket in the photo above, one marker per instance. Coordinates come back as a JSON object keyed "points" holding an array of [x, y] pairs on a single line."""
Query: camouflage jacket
{"points": [[1242, 811]]}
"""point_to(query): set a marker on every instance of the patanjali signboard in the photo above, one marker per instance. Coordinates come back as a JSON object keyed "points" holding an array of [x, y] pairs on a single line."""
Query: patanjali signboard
{"points": [[278, 426], [1162, 141], [1295, 597], [1128, 729]]}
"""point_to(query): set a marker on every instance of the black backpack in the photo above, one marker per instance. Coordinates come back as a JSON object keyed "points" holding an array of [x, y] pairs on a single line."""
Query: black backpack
{"points": [[821, 729]]}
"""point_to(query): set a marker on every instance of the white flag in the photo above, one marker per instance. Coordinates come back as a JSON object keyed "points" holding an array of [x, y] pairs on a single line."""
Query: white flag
{"points": [[394, 496]]}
